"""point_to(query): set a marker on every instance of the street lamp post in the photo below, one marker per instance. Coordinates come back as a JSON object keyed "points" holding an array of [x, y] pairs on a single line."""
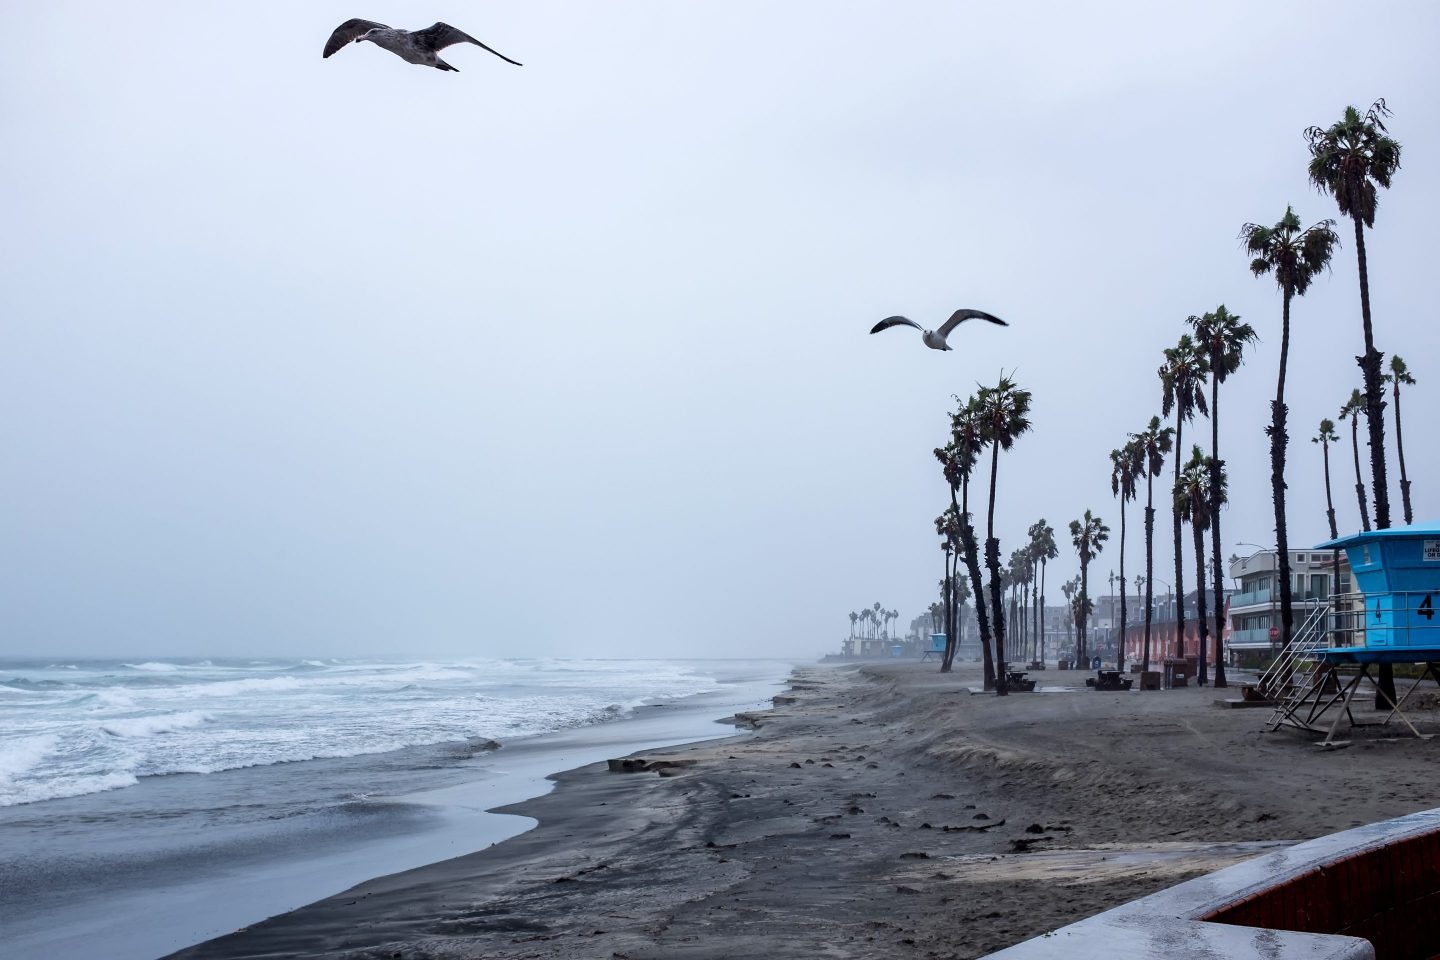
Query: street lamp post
{"points": [[1113, 621]]}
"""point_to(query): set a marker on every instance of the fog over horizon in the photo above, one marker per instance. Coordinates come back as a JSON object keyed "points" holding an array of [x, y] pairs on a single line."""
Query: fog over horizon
{"points": [[344, 357]]}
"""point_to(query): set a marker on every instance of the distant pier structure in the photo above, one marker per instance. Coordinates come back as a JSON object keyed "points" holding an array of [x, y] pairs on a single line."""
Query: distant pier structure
{"points": [[1390, 619]]}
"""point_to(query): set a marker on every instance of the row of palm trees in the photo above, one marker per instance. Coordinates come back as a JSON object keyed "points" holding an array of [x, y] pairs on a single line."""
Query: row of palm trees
{"points": [[993, 417], [1348, 160], [872, 622], [1208, 354], [1351, 410]]}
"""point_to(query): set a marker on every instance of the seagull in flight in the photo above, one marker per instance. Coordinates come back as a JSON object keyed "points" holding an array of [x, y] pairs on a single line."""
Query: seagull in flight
{"points": [[413, 46], [935, 339]]}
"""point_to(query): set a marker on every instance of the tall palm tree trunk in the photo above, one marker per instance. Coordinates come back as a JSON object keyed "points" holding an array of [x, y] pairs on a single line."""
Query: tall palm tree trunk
{"points": [[977, 588], [1329, 500], [1359, 483], [949, 656], [1400, 449], [1120, 641], [1043, 563], [1037, 621], [1024, 631], [959, 623], [1202, 677], [1082, 655], [1374, 390], [1277, 477], [992, 560], [1149, 571], [1375, 415], [1216, 578], [1179, 549], [1334, 533]]}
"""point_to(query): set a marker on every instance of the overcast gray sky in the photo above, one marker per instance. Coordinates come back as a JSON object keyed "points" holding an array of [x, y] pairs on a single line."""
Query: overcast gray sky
{"points": [[350, 356]]}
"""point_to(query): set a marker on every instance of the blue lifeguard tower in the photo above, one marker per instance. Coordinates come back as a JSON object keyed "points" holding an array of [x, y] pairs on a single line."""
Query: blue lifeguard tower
{"points": [[1391, 618], [936, 648]]}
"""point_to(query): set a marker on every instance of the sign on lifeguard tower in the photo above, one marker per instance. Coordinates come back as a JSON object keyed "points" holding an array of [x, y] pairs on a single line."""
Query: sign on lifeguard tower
{"points": [[1398, 571]]}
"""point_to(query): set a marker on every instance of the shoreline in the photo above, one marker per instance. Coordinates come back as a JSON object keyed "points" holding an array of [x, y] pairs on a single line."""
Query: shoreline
{"points": [[878, 811], [206, 886]]}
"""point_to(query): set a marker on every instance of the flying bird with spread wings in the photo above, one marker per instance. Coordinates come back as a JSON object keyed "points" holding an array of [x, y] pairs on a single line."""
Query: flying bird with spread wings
{"points": [[420, 47], [935, 339]]}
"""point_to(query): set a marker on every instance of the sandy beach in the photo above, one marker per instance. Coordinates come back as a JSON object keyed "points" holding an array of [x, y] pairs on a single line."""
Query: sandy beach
{"points": [[879, 811]]}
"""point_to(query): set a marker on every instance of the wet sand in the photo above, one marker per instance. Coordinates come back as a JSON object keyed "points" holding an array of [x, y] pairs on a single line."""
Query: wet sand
{"points": [[877, 812]]}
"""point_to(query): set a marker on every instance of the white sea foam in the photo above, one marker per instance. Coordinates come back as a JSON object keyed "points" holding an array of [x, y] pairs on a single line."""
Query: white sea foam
{"points": [[56, 789], [111, 699], [233, 688], [108, 725], [22, 755], [133, 727]]}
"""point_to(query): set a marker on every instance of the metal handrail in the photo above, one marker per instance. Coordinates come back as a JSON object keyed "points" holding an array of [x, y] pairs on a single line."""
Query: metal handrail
{"points": [[1309, 638], [1289, 677]]}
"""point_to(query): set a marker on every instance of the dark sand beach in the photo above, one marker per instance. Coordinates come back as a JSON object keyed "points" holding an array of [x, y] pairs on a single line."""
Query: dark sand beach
{"points": [[875, 812]]}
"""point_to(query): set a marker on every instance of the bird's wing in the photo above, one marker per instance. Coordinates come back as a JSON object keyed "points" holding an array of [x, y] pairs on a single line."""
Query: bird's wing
{"points": [[347, 32], [889, 322], [963, 314], [442, 35]]}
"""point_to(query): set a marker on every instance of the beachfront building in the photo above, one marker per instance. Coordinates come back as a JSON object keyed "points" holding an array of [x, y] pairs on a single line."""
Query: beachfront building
{"points": [[1165, 628], [1105, 621], [1255, 600]]}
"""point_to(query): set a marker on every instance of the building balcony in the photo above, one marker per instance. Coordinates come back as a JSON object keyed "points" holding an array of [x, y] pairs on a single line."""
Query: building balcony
{"points": [[1252, 598], [1267, 597], [1255, 637]]}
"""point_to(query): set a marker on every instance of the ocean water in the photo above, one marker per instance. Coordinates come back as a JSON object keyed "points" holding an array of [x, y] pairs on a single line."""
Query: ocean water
{"points": [[74, 728], [150, 804]]}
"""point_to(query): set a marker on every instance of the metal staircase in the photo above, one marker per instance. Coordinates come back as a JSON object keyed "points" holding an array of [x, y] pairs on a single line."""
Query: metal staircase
{"points": [[1292, 679]]}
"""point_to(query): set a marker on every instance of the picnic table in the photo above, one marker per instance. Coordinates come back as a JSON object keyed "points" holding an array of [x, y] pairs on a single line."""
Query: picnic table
{"points": [[1109, 680], [1016, 680]]}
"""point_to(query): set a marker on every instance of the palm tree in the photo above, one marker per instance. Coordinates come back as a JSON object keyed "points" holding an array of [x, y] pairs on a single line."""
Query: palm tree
{"points": [[1070, 588], [1125, 467], [853, 617], [1192, 498], [1182, 383], [1399, 373], [1089, 535], [1021, 573], [951, 464], [1042, 543], [1351, 411], [1325, 437], [1223, 338], [1348, 160], [959, 594], [1152, 444], [1005, 418], [967, 431], [1294, 256]]}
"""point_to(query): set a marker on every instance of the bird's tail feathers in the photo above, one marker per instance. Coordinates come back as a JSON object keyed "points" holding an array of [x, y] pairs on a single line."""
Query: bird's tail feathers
{"points": [[442, 65]]}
